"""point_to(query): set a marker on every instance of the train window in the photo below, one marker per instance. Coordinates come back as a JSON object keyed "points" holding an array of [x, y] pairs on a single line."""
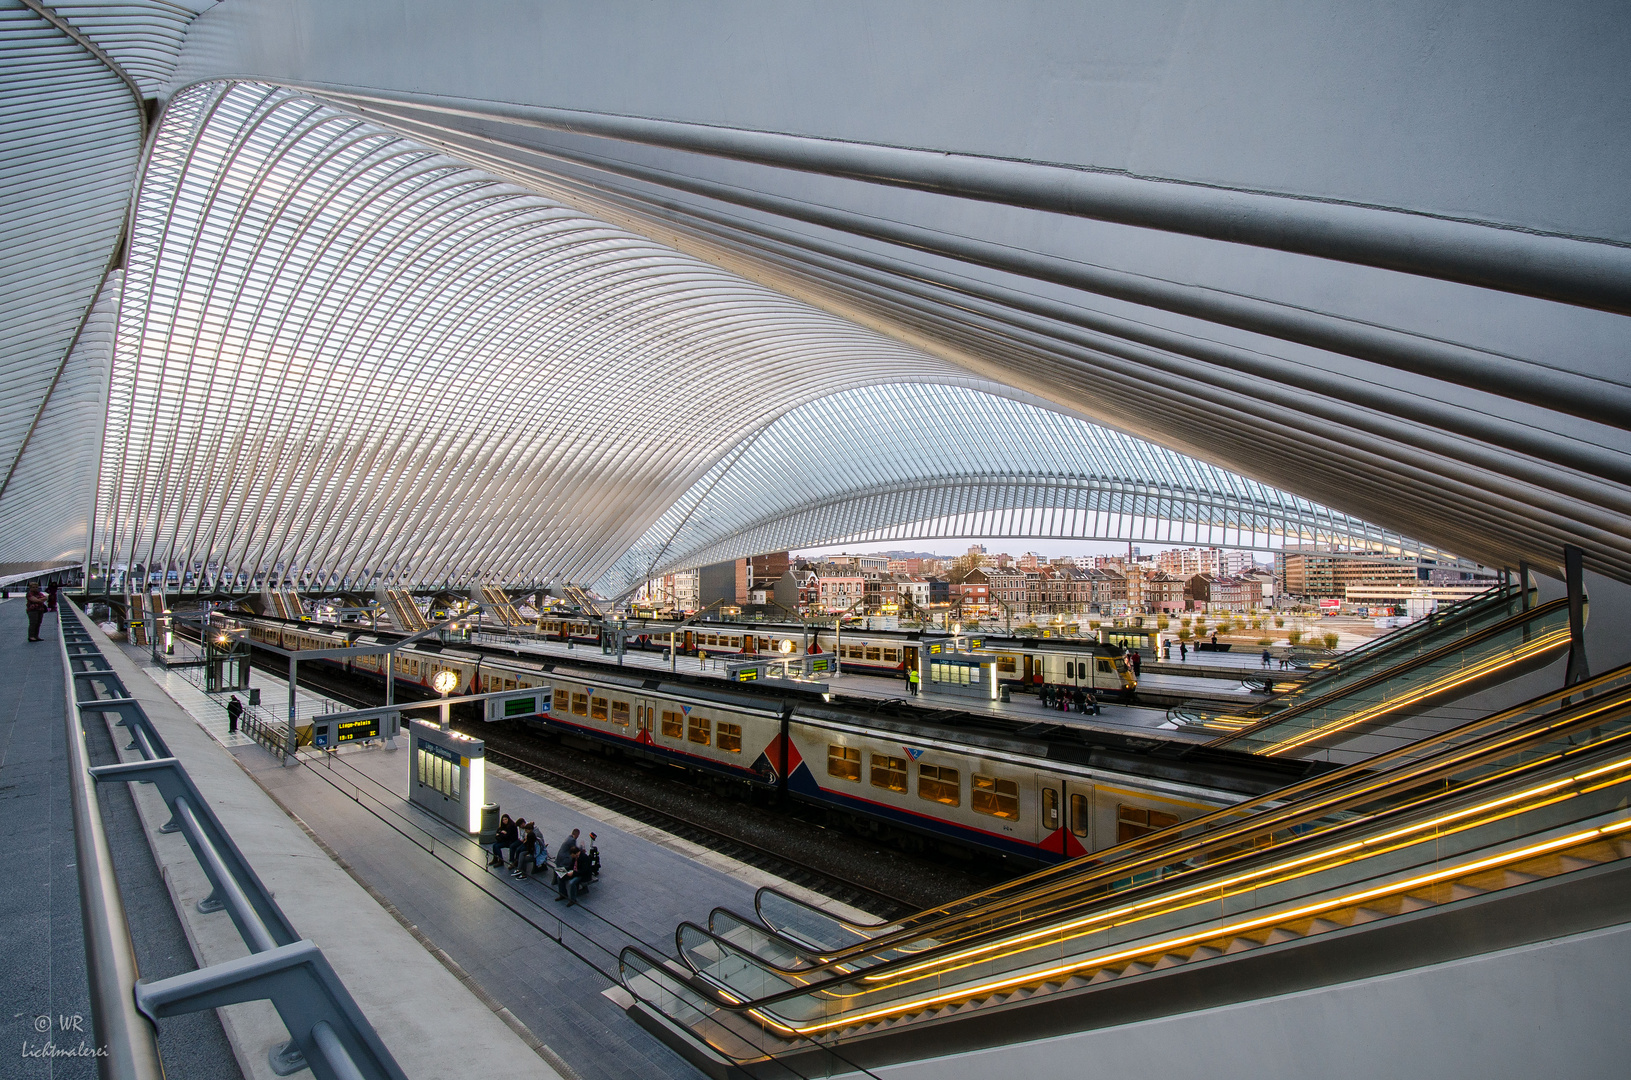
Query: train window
{"points": [[1135, 821], [995, 796], [673, 725], [873, 653], [888, 772], [580, 704], [1050, 809], [729, 738], [697, 731], [620, 713], [939, 784], [1079, 815], [892, 655], [736, 642], [597, 708], [1104, 666], [844, 762], [1005, 664]]}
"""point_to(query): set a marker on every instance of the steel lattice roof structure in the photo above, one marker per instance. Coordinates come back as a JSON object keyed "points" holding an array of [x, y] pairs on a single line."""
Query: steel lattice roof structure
{"points": [[336, 298]]}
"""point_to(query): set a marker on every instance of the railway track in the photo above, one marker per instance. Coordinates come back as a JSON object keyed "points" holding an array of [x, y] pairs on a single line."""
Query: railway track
{"points": [[784, 866], [511, 753]]}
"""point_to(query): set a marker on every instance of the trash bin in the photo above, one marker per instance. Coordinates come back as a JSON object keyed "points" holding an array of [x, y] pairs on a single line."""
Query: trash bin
{"points": [[254, 695], [1002, 692], [489, 824]]}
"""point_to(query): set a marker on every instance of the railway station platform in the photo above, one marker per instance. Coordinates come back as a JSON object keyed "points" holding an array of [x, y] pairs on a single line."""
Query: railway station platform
{"points": [[544, 974], [433, 1021], [44, 981], [1114, 717]]}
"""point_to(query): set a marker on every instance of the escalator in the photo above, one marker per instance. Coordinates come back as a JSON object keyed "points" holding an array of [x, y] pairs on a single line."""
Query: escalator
{"points": [[1331, 677], [1432, 670], [1536, 796]]}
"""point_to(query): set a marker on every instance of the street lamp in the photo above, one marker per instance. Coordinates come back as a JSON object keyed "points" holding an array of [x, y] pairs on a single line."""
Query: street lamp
{"points": [[443, 683]]}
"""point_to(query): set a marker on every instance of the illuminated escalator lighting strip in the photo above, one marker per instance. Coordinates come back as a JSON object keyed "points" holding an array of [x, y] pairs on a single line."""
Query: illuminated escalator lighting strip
{"points": [[1541, 644], [1230, 886], [1198, 937]]}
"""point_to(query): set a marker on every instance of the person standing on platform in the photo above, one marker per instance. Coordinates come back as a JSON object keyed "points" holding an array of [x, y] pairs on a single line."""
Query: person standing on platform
{"points": [[235, 710], [51, 597], [1183, 651], [911, 679], [1138, 664], [1267, 656], [36, 611]]}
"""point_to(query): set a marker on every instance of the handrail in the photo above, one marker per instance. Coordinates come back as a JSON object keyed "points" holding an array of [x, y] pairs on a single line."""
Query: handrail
{"points": [[1389, 674], [1379, 838], [126, 1035], [329, 1032], [1431, 779], [1476, 737]]}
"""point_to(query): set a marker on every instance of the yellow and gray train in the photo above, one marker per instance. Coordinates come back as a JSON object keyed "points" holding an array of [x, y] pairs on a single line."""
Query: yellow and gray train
{"points": [[974, 780]]}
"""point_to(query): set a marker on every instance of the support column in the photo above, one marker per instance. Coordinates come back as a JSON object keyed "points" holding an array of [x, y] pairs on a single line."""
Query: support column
{"points": [[294, 674], [1574, 579]]}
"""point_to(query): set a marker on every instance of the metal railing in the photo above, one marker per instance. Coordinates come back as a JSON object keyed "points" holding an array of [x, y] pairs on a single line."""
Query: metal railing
{"points": [[329, 1033]]}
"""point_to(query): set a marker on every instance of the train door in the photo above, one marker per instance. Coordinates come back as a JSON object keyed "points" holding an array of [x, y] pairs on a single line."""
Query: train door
{"points": [[643, 709], [1051, 815], [1066, 816], [1030, 669]]}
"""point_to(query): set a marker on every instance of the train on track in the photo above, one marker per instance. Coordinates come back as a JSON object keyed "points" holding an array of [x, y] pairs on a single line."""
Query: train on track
{"points": [[1041, 792], [1020, 662]]}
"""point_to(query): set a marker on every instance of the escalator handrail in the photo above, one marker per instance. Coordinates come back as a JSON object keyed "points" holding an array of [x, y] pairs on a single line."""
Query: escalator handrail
{"points": [[1378, 648], [1389, 673], [727, 999], [1280, 819], [1227, 822]]}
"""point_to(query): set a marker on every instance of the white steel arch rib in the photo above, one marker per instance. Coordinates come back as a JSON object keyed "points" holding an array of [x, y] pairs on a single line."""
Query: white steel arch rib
{"points": [[921, 462], [345, 359]]}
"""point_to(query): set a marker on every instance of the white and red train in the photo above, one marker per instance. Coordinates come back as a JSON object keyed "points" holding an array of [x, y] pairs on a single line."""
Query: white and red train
{"points": [[1020, 662], [982, 781]]}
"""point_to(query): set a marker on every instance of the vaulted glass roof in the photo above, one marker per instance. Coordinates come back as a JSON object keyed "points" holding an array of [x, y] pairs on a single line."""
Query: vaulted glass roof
{"points": [[923, 462], [344, 358], [421, 307]]}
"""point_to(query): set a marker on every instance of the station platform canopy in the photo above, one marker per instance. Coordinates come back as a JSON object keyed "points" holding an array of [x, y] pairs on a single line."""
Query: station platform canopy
{"points": [[381, 295]]}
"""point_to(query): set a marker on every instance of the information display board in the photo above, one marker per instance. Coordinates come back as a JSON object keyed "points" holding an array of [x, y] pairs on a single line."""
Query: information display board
{"points": [[447, 774]]}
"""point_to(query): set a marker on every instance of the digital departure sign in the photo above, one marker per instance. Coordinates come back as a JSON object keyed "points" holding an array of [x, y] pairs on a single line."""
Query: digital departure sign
{"points": [[349, 730]]}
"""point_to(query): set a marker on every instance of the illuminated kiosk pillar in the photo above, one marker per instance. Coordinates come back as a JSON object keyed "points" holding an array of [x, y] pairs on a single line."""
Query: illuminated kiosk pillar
{"points": [[447, 774]]}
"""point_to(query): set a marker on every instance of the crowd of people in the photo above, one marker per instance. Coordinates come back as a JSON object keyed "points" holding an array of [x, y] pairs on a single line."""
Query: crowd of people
{"points": [[1067, 699], [519, 845]]}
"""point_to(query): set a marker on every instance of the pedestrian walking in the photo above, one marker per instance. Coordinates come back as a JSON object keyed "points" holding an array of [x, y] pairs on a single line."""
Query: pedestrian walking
{"points": [[235, 710], [1266, 658], [36, 611], [1183, 651]]}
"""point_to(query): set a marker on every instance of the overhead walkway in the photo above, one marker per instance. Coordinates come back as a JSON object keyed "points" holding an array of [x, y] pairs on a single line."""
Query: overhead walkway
{"points": [[1433, 668], [1528, 799]]}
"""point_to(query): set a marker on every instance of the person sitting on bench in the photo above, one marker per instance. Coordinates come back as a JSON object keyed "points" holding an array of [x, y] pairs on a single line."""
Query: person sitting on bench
{"points": [[534, 853], [570, 882]]}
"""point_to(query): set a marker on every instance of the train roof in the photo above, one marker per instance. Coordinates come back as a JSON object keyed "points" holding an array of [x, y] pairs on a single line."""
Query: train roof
{"points": [[1122, 752]]}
